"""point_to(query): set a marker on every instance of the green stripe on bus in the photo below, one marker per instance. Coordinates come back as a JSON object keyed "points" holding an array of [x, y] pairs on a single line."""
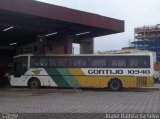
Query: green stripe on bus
{"points": [[72, 81], [57, 77]]}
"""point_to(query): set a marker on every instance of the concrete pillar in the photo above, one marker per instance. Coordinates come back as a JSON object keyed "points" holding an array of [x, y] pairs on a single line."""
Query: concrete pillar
{"points": [[87, 46], [40, 44], [68, 44], [57, 46]]}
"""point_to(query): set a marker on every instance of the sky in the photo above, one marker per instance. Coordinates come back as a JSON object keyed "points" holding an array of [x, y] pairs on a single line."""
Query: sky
{"points": [[135, 13]]}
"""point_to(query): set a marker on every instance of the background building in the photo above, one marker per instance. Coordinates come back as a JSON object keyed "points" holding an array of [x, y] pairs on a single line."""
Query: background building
{"points": [[148, 38]]}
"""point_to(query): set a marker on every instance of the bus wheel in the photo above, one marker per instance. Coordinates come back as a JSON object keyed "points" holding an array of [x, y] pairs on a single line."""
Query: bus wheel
{"points": [[115, 84], [34, 83]]}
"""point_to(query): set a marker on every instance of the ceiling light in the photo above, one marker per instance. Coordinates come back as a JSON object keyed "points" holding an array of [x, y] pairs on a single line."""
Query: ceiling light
{"points": [[13, 44], [8, 28], [51, 34], [78, 34]]}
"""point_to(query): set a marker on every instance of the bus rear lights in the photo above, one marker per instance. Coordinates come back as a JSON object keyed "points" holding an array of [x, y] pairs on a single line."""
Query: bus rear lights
{"points": [[9, 28]]}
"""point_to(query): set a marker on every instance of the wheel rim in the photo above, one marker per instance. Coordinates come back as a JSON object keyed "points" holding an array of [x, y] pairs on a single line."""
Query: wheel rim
{"points": [[115, 86], [34, 84]]}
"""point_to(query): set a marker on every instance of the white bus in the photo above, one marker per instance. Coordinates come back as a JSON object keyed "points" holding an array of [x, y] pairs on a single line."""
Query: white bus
{"points": [[84, 71]]}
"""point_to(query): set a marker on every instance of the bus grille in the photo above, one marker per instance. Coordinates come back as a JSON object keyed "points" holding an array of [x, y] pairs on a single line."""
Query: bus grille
{"points": [[141, 81]]}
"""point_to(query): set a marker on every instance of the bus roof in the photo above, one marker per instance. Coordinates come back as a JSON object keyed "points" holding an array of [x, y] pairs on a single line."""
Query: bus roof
{"points": [[131, 54]]}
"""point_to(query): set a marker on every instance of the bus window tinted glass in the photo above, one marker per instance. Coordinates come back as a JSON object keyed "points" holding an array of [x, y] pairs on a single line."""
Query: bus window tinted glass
{"points": [[118, 62], [114, 63], [133, 63], [78, 62], [144, 62], [39, 62], [122, 62], [139, 62], [58, 62], [43, 62], [62, 62], [101, 62], [35, 62]]}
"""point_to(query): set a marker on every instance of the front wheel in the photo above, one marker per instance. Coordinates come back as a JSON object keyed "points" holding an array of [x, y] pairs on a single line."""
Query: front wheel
{"points": [[34, 83], [115, 85]]}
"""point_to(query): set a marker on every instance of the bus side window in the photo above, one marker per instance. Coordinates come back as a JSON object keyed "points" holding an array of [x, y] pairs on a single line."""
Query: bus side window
{"points": [[61, 62], [101, 62], [35, 62], [52, 62], [78, 62], [92, 62], [82, 63], [144, 62], [122, 62], [114, 63], [133, 63], [43, 62]]}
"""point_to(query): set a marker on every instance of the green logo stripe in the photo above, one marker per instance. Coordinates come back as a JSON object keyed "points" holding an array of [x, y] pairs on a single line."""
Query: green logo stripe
{"points": [[72, 81], [57, 77]]}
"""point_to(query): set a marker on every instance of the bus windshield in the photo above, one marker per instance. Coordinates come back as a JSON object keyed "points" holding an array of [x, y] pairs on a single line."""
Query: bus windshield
{"points": [[20, 66]]}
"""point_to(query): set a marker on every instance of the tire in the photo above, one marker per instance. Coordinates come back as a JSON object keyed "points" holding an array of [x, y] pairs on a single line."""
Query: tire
{"points": [[115, 85], [34, 83]]}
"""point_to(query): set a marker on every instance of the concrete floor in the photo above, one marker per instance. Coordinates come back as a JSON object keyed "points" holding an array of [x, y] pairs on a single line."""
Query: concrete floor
{"points": [[23, 100]]}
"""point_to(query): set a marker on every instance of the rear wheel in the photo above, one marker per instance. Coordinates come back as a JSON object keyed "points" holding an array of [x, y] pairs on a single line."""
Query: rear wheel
{"points": [[34, 83], [115, 85]]}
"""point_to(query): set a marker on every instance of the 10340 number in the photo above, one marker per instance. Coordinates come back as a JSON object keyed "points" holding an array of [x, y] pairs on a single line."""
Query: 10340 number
{"points": [[138, 71]]}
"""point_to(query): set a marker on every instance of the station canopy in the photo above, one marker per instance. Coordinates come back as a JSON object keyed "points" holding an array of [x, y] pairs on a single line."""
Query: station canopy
{"points": [[23, 21]]}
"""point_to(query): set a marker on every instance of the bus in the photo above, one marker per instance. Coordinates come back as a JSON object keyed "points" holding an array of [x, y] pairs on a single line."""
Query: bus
{"points": [[113, 71]]}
